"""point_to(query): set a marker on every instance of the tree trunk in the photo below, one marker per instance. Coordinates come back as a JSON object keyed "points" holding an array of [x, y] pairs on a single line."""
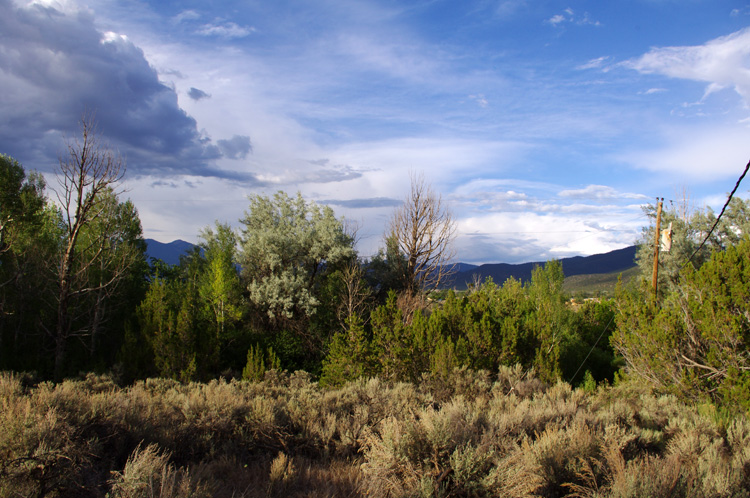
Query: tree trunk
{"points": [[63, 323]]}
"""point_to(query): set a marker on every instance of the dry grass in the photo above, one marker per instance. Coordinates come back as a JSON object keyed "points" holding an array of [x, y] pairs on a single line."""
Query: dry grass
{"points": [[504, 434]]}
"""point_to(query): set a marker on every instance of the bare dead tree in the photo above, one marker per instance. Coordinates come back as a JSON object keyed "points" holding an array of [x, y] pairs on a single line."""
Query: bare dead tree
{"points": [[88, 171], [356, 292], [424, 229]]}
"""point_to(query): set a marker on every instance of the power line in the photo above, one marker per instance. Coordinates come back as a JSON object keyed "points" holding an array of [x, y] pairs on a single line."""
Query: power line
{"points": [[731, 194]]}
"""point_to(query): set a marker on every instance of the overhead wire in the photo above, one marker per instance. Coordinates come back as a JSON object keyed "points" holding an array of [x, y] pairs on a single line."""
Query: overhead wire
{"points": [[718, 218]]}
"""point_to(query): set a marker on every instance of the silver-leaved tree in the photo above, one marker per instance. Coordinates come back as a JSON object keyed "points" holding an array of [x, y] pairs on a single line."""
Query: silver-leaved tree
{"points": [[287, 248]]}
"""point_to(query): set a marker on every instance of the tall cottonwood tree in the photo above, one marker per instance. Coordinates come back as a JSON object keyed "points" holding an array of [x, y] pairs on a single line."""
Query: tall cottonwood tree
{"points": [[88, 175], [424, 228]]}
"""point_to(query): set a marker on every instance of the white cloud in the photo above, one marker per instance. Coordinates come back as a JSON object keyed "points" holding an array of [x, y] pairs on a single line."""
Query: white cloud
{"points": [[186, 15], [480, 99], [698, 155], [543, 236], [571, 17], [556, 19], [722, 62], [599, 192], [226, 30], [595, 63]]}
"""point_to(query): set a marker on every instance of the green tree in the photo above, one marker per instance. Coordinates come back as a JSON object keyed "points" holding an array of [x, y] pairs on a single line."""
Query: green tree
{"points": [[22, 203], [220, 289], [696, 342], [548, 323], [171, 320], [29, 237], [385, 271], [259, 363], [112, 279], [350, 355], [401, 348]]}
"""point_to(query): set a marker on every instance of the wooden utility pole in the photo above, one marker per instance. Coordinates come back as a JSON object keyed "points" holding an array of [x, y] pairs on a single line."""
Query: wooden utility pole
{"points": [[656, 243]]}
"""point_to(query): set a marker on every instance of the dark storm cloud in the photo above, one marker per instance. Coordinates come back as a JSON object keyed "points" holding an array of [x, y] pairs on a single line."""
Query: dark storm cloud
{"points": [[54, 66], [197, 94], [237, 147]]}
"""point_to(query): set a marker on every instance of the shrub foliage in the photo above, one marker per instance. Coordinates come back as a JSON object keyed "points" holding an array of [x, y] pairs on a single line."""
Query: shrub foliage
{"points": [[504, 434]]}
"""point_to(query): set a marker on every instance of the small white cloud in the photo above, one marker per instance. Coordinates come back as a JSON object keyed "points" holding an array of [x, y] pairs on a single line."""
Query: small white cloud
{"points": [[652, 91], [587, 20], [569, 16], [226, 30], [595, 63], [186, 15], [480, 100]]}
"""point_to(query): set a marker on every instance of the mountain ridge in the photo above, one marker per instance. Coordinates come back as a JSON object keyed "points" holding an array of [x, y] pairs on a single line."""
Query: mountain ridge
{"points": [[609, 262]]}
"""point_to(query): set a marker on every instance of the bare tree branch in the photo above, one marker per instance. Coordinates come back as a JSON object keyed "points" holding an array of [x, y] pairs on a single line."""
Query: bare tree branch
{"points": [[424, 229]]}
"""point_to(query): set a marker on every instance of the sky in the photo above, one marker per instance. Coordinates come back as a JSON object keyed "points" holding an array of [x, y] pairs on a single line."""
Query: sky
{"points": [[544, 125]]}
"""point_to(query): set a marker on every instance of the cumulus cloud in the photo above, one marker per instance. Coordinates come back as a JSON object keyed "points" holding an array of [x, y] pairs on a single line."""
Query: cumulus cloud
{"points": [[529, 236], [722, 62], [55, 65], [196, 94]]}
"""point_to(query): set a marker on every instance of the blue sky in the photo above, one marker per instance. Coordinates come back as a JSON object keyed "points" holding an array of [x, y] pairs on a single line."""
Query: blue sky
{"points": [[545, 125]]}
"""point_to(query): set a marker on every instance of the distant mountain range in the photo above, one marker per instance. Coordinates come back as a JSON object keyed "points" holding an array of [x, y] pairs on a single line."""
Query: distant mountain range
{"points": [[614, 261], [618, 260]]}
